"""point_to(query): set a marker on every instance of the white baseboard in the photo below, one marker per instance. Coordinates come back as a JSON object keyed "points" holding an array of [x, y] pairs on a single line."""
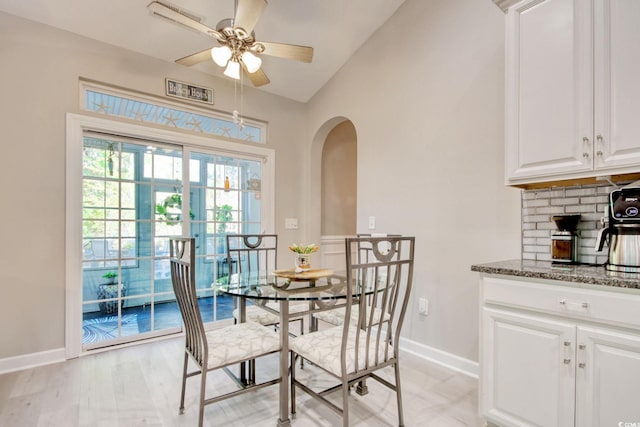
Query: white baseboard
{"points": [[448, 360], [25, 361]]}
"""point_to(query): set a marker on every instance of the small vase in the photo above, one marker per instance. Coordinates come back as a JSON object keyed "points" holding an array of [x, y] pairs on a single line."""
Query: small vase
{"points": [[109, 291], [303, 262]]}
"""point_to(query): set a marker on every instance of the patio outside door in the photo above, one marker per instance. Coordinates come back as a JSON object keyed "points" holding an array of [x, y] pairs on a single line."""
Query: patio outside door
{"points": [[136, 195]]}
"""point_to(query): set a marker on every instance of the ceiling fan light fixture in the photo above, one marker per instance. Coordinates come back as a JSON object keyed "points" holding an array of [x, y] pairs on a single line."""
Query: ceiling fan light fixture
{"points": [[221, 55], [251, 61], [233, 69]]}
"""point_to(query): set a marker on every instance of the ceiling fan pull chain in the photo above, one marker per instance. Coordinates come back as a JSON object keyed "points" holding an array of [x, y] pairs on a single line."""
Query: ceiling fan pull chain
{"points": [[241, 124]]}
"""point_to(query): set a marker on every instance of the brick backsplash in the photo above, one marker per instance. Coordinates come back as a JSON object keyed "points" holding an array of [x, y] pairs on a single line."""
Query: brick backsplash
{"points": [[538, 206]]}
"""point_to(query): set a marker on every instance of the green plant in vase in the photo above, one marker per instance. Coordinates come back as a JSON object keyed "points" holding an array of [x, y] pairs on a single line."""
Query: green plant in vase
{"points": [[110, 276], [109, 291]]}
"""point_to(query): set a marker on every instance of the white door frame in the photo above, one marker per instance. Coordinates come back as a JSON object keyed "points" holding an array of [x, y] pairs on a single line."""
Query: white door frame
{"points": [[76, 125]]}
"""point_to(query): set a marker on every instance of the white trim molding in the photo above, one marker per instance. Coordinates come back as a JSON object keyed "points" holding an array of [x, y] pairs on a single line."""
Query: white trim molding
{"points": [[442, 358], [26, 361]]}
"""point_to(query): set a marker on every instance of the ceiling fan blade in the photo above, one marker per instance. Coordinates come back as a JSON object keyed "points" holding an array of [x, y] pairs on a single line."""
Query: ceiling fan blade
{"points": [[259, 78], [195, 58], [176, 15], [288, 51], [248, 13]]}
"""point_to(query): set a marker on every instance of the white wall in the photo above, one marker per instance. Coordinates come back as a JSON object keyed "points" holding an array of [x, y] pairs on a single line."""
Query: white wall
{"points": [[39, 68], [425, 95]]}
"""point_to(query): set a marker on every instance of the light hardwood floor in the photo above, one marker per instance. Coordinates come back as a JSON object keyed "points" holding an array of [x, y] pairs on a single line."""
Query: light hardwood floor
{"points": [[140, 385]]}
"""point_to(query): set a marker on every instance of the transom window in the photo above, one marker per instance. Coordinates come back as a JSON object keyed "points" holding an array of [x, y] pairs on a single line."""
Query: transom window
{"points": [[150, 109]]}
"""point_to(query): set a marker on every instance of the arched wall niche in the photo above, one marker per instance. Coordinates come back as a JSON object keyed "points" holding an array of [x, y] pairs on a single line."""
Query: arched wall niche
{"points": [[339, 181], [333, 188]]}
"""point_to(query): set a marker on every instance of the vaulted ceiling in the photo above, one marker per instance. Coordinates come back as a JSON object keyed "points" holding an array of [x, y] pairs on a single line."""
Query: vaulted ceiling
{"points": [[334, 28]]}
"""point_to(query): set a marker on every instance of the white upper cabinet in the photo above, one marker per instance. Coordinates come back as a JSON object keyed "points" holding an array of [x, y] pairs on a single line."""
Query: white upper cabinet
{"points": [[573, 97], [617, 83]]}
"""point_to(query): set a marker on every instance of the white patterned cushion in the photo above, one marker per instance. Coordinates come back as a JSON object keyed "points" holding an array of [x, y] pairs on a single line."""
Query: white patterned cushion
{"points": [[259, 315], [236, 343], [323, 349], [336, 316], [333, 317]]}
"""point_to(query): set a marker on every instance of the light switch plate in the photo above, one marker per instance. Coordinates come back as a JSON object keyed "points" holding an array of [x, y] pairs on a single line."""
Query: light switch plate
{"points": [[423, 306], [372, 223], [291, 223]]}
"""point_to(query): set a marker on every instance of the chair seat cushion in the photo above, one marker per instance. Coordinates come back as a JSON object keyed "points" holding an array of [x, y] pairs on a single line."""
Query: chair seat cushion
{"points": [[336, 315], [236, 343], [259, 315], [323, 349]]}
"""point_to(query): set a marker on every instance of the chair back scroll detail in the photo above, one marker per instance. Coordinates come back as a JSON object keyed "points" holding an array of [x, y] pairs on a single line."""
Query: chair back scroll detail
{"points": [[252, 252]]}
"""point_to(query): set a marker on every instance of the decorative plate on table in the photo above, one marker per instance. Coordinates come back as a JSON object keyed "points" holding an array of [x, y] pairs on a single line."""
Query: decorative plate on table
{"points": [[312, 274]]}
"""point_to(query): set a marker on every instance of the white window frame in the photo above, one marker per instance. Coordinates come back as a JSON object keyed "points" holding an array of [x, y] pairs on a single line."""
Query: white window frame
{"points": [[77, 124], [183, 107]]}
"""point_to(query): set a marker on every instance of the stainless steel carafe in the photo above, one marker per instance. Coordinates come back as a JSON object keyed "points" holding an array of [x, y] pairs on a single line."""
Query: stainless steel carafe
{"points": [[621, 229]]}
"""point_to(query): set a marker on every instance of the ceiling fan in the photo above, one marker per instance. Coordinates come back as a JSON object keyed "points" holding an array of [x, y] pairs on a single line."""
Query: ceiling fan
{"points": [[238, 45]]}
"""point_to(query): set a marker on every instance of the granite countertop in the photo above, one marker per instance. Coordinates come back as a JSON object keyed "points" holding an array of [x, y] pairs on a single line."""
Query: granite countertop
{"points": [[591, 274]]}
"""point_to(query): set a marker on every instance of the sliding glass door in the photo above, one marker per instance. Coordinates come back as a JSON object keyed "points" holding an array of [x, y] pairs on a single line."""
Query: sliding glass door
{"points": [[226, 192], [135, 196]]}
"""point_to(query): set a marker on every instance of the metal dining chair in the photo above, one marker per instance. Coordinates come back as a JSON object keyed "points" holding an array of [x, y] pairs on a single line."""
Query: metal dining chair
{"points": [[362, 346], [336, 316], [218, 348], [257, 253]]}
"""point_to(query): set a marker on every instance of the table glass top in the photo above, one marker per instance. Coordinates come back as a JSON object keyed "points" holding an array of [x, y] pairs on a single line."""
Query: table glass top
{"points": [[269, 287]]}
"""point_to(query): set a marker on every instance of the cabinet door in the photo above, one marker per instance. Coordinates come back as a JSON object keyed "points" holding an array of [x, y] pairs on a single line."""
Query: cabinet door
{"points": [[549, 88], [607, 378], [617, 90], [528, 369]]}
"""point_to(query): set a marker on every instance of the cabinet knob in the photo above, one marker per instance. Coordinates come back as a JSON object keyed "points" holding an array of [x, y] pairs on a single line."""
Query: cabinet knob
{"points": [[567, 343], [567, 361], [582, 365], [582, 346]]}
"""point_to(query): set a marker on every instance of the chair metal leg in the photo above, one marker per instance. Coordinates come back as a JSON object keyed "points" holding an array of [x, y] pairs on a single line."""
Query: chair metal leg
{"points": [[362, 388], [184, 381], [302, 333], [345, 403], [203, 387], [252, 371], [243, 373], [399, 395], [293, 386]]}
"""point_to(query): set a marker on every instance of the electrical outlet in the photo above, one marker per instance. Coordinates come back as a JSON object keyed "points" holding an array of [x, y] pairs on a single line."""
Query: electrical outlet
{"points": [[291, 223], [423, 306]]}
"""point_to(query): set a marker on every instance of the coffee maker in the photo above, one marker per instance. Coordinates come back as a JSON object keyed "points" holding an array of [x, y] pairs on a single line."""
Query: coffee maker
{"points": [[622, 229], [564, 241]]}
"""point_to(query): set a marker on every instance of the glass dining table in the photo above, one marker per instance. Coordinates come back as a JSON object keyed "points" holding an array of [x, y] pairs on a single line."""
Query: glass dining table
{"points": [[323, 290]]}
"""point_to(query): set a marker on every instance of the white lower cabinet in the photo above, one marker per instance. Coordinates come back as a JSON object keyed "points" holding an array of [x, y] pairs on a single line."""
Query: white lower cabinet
{"points": [[556, 365], [607, 378], [526, 380]]}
